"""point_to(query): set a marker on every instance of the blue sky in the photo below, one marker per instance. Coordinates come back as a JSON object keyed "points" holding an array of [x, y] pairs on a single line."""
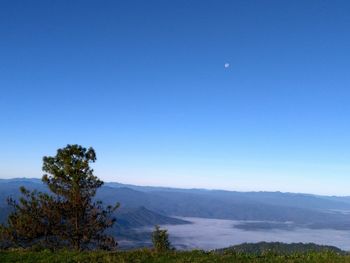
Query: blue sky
{"points": [[144, 83]]}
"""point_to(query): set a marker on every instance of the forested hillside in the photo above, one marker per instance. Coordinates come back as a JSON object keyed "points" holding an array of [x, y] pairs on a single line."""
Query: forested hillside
{"points": [[279, 248]]}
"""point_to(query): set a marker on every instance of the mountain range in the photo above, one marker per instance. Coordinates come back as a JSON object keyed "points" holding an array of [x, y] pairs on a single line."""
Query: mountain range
{"points": [[145, 206]]}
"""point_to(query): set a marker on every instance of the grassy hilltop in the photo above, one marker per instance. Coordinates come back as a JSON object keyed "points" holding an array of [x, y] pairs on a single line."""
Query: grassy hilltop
{"points": [[169, 257]]}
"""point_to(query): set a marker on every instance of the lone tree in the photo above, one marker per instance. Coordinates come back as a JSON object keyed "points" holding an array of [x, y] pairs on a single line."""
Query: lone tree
{"points": [[68, 216], [160, 240]]}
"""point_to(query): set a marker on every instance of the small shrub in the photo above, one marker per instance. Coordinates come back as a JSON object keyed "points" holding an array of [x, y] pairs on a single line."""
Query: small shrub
{"points": [[160, 240]]}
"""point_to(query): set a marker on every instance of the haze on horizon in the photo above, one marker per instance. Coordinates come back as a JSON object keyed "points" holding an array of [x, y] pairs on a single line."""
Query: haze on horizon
{"points": [[147, 85]]}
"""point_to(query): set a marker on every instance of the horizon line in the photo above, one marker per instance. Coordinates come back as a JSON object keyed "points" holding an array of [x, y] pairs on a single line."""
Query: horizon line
{"points": [[193, 188]]}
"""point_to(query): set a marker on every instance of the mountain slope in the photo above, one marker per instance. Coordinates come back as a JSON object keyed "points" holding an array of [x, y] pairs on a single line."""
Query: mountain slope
{"points": [[302, 209]]}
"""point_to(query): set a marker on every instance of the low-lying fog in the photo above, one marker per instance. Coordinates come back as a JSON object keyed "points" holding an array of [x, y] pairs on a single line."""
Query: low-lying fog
{"points": [[216, 233]]}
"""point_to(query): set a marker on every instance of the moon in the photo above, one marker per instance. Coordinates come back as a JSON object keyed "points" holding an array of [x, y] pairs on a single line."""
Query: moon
{"points": [[226, 65]]}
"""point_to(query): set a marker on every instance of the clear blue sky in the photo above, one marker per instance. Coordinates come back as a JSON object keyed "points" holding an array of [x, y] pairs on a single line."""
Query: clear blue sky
{"points": [[144, 83]]}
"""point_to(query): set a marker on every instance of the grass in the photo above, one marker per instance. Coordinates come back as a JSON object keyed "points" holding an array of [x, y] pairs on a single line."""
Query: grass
{"points": [[138, 256]]}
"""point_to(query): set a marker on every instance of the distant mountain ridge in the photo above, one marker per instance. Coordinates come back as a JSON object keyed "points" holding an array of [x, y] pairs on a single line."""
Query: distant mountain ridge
{"points": [[176, 189], [304, 210]]}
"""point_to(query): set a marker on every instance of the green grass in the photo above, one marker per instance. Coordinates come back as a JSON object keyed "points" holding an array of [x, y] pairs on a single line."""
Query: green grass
{"points": [[149, 256]]}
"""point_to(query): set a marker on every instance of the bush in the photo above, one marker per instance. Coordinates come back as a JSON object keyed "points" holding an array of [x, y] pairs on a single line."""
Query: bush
{"points": [[160, 240]]}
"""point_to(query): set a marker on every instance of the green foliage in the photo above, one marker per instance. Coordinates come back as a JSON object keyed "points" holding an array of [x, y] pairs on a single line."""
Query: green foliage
{"points": [[68, 217], [32, 222], [147, 256], [160, 240]]}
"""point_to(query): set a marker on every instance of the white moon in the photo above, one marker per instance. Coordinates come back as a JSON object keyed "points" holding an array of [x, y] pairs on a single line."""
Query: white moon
{"points": [[226, 65]]}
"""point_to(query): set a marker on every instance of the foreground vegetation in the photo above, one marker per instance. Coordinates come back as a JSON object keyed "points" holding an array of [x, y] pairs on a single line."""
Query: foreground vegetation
{"points": [[68, 215], [174, 256]]}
